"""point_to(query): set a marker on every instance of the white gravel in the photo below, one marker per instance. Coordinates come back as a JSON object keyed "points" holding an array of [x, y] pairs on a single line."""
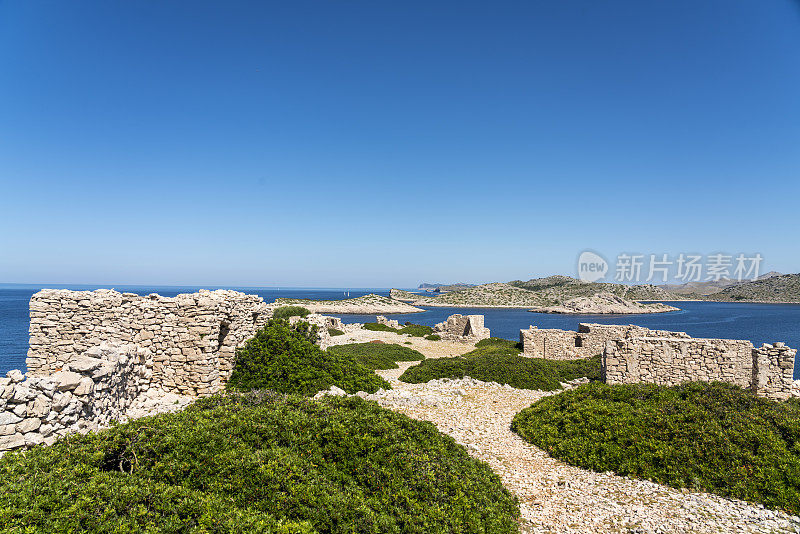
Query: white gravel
{"points": [[555, 497]]}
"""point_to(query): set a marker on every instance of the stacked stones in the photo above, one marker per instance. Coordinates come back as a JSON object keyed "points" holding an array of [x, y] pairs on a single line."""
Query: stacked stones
{"points": [[774, 371], [391, 323], [464, 328], [767, 371], [90, 392], [193, 337], [590, 340]]}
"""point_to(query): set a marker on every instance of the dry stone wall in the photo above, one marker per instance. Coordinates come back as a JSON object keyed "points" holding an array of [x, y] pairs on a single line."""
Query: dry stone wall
{"points": [[192, 337], [590, 340], [90, 392], [668, 361], [466, 328]]}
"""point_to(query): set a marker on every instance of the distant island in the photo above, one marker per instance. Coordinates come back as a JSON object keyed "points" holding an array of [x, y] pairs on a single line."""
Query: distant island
{"points": [[443, 288], [553, 294]]}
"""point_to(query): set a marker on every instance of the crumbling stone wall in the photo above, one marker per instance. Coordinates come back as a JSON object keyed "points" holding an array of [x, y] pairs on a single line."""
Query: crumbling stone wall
{"points": [[90, 392], [668, 361], [466, 328], [192, 337], [391, 323], [590, 340]]}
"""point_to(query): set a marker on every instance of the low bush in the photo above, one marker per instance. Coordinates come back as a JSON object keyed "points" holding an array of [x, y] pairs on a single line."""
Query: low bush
{"points": [[335, 332], [705, 436], [284, 358], [498, 360], [378, 327], [433, 337], [416, 330], [284, 312], [377, 355], [261, 463]]}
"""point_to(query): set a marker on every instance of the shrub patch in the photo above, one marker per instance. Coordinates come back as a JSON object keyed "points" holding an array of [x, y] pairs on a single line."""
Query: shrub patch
{"points": [[258, 462], [377, 356], [498, 360], [284, 358], [712, 437]]}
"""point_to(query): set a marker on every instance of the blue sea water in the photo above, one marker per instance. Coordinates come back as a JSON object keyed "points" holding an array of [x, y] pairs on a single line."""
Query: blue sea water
{"points": [[759, 323]]}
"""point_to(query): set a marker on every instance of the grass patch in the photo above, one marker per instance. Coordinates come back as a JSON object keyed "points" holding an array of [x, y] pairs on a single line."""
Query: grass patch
{"points": [[377, 355], [498, 360], [712, 437], [433, 337], [416, 330], [261, 463], [378, 327], [284, 312], [335, 332], [285, 358]]}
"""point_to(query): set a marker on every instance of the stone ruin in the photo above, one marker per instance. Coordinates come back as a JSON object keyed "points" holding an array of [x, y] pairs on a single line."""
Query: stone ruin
{"points": [[192, 337], [101, 356], [391, 323], [465, 328], [633, 354], [590, 340], [89, 392]]}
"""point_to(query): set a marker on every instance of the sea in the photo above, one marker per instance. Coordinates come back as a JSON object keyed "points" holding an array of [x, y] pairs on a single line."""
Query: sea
{"points": [[759, 323]]}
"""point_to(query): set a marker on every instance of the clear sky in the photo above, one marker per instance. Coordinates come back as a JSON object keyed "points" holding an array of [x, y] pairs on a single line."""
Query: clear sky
{"points": [[366, 143]]}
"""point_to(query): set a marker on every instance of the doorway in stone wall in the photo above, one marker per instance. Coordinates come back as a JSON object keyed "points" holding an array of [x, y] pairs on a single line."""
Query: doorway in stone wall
{"points": [[224, 330]]}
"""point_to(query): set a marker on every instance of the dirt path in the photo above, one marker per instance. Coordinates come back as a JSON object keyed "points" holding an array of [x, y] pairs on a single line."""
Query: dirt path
{"points": [[555, 497]]}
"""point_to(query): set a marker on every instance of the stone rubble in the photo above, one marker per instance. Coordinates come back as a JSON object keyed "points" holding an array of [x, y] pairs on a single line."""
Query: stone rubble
{"points": [[108, 383]]}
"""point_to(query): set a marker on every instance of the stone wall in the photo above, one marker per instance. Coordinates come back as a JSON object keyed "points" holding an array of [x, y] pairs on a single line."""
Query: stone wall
{"points": [[391, 323], [590, 340], [668, 361], [90, 392], [466, 328], [192, 337]]}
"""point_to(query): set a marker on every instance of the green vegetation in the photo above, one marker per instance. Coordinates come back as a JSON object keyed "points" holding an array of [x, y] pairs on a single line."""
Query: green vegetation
{"points": [[335, 332], [705, 436], [498, 360], [284, 358], [377, 355], [260, 463], [433, 337], [284, 312], [416, 330], [378, 327]]}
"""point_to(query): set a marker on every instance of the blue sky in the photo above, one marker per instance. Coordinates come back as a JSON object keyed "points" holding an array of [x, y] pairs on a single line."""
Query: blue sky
{"points": [[379, 144]]}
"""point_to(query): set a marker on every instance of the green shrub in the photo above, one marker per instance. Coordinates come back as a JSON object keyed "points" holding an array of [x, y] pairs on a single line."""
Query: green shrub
{"points": [[416, 330], [498, 360], [378, 327], [377, 355], [259, 463], [433, 337], [284, 358], [284, 312], [335, 332], [705, 436]]}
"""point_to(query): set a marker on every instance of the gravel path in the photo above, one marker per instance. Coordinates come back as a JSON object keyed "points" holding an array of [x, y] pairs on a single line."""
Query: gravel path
{"points": [[555, 497]]}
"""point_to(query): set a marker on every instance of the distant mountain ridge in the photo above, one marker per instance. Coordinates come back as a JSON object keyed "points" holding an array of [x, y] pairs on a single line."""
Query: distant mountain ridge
{"points": [[710, 287], [781, 288]]}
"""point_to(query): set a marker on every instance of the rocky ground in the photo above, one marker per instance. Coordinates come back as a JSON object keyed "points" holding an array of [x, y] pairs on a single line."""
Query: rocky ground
{"points": [[555, 497]]}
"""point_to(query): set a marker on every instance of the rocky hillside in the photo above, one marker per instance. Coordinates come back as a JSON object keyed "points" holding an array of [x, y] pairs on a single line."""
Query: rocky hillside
{"points": [[604, 303], [782, 288], [554, 294], [692, 289]]}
